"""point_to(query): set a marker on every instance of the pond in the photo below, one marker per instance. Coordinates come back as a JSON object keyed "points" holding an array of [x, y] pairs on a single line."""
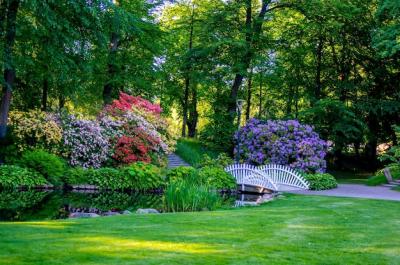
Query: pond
{"points": [[16, 205]]}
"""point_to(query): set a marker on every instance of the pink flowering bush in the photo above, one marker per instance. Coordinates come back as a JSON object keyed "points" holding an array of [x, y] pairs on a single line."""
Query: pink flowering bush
{"points": [[138, 130], [282, 142], [85, 143]]}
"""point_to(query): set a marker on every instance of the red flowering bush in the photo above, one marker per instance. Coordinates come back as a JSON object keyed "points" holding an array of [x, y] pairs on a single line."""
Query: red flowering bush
{"points": [[131, 149], [142, 132], [127, 102]]}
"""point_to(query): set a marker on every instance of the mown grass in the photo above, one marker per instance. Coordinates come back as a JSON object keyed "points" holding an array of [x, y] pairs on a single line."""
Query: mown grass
{"points": [[291, 230], [192, 151]]}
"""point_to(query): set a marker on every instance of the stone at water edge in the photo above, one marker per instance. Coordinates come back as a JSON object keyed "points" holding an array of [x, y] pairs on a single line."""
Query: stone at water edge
{"points": [[146, 211], [126, 212], [83, 215], [110, 213]]}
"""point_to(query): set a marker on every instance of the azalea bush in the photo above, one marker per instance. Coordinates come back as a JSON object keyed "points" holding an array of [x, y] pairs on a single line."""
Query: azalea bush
{"points": [[282, 142], [84, 143], [141, 133], [35, 129]]}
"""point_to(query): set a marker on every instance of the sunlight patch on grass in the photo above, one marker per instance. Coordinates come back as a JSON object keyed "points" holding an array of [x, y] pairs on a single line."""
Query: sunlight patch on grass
{"points": [[103, 244], [40, 224]]}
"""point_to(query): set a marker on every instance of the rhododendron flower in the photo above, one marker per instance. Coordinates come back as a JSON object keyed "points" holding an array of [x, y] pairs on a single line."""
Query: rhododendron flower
{"points": [[282, 142]]}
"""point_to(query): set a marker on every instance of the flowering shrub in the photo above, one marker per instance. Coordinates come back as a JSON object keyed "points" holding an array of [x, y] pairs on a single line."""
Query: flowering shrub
{"points": [[35, 129], [282, 142], [131, 149], [85, 144], [139, 131]]}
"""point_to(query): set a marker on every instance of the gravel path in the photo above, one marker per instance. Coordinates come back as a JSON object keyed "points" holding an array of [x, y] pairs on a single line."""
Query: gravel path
{"points": [[357, 191]]}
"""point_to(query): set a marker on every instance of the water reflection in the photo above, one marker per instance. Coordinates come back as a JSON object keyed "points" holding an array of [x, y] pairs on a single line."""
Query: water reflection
{"points": [[18, 205]]}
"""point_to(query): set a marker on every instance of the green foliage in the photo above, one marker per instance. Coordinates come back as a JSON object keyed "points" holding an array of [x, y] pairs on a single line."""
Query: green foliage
{"points": [[107, 178], [187, 195], [193, 151], [137, 176], [15, 199], [379, 177], [179, 173], [393, 154], [142, 176], [50, 166], [222, 161], [15, 176], [336, 122], [321, 181], [216, 177]]}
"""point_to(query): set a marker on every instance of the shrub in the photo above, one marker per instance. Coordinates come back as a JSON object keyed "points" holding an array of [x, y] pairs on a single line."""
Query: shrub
{"points": [[76, 176], [143, 176], [141, 133], [108, 178], [50, 166], [179, 173], [15, 176], [187, 195], [84, 143], [35, 130], [282, 142], [321, 181], [138, 176], [217, 178], [222, 161], [380, 178]]}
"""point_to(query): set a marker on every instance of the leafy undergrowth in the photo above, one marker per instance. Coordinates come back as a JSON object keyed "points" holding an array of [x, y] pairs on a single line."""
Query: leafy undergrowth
{"points": [[290, 230], [192, 151]]}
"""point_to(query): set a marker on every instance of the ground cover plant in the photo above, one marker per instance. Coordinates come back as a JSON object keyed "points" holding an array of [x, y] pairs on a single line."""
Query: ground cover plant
{"points": [[294, 229]]}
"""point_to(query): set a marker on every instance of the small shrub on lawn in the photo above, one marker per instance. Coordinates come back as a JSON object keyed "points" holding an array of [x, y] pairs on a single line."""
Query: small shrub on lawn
{"points": [[217, 178], [321, 181], [15, 176], [50, 166]]}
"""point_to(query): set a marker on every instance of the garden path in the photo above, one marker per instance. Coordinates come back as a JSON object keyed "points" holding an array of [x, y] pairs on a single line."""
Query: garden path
{"points": [[175, 161], [356, 191]]}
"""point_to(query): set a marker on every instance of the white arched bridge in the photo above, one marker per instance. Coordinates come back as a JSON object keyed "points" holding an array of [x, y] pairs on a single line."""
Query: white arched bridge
{"points": [[271, 177]]}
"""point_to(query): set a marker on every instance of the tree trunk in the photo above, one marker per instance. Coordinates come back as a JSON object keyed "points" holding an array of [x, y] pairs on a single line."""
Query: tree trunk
{"points": [[252, 35], [9, 71], [111, 70], [193, 114], [61, 102], [248, 105], [318, 84], [45, 92], [187, 78]]}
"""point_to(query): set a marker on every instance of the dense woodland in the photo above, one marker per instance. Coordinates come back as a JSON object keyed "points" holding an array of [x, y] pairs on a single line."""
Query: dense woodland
{"points": [[334, 64]]}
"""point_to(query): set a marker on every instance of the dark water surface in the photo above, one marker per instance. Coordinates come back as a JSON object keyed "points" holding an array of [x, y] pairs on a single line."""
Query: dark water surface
{"points": [[16, 205]]}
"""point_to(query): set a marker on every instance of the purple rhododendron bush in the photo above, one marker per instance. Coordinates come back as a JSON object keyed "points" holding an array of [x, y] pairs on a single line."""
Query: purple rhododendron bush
{"points": [[282, 142]]}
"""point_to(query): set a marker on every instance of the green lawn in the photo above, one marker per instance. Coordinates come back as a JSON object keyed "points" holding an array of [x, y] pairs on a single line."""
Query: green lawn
{"points": [[290, 230]]}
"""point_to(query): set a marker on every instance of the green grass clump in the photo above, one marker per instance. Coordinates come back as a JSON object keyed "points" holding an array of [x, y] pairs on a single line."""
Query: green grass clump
{"points": [[291, 230], [192, 151]]}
